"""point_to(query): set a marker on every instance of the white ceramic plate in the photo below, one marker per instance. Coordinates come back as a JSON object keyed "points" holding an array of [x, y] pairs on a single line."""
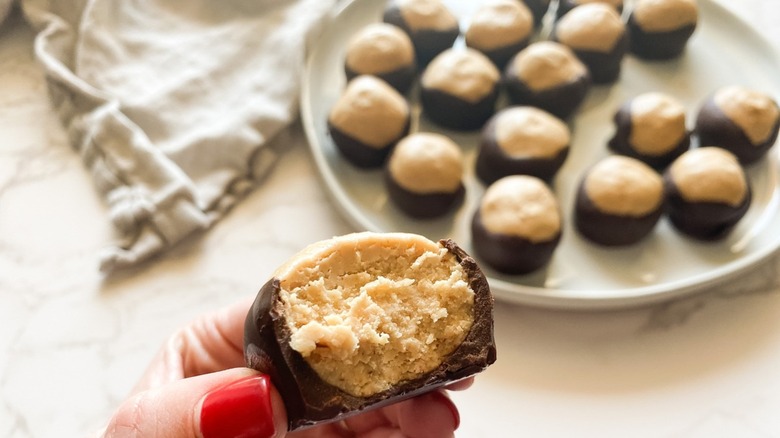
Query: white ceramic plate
{"points": [[724, 50]]}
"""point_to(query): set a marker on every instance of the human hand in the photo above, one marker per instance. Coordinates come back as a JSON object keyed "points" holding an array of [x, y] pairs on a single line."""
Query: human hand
{"points": [[197, 386]]}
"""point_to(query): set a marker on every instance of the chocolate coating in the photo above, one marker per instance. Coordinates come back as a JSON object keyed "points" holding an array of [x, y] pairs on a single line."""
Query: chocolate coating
{"points": [[309, 400], [455, 113], [620, 143], [657, 45], [493, 163], [422, 205], [401, 79], [604, 67], [538, 9], [499, 29], [501, 56], [597, 35], [707, 221], [427, 42], [610, 229], [360, 154], [714, 128], [512, 255], [562, 101]]}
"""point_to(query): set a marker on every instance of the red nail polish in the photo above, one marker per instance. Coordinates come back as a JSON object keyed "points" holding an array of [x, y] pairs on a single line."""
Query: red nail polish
{"points": [[453, 409], [241, 409]]}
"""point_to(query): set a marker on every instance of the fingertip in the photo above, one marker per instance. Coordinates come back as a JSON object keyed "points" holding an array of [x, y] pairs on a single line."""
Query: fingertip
{"points": [[279, 413], [432, 415], [249, 406], [460, 385]]}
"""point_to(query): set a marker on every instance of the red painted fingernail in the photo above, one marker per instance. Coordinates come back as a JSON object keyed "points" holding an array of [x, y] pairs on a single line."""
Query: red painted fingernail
{"points": [[453, 409], [240, 409]]}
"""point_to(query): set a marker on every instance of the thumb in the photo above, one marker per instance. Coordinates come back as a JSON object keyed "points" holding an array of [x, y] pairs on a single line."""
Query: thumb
{"points": [[226, 404]]}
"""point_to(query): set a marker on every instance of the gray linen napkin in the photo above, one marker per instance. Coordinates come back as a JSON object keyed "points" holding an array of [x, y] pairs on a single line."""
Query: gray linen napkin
{"points": [[172, 104]]}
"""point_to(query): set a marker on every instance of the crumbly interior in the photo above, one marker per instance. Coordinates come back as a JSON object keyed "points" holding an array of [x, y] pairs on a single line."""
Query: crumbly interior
{"points": [[371, 311]]}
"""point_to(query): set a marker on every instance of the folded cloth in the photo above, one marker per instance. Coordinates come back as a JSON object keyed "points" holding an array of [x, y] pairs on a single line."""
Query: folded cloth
{"points": [[172, 104], [5, 8]]}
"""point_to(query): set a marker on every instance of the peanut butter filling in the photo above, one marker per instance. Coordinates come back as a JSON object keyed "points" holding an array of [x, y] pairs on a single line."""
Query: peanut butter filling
{"points": [[427, 163], [368, 310], [665, 15], [499, 23], [370, 111], [521, 206], [657, 123], [754, 112], [546, 64], [709, 174], [624, 186], [379, 48]]}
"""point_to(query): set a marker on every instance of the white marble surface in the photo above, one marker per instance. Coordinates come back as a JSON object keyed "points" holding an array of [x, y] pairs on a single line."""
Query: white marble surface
{"points": [[72, 343]]}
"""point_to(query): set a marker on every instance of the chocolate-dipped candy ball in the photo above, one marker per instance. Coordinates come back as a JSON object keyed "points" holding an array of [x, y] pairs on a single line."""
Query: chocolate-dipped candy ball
{"points": [[597, 35], [499, 29], [382, 50], [522, 140], [741, 120], [517, 225], [565, 6], [660, 29], [707, 193], [651, 127], [549, 76], [432, 27], [364, 320], [459, 89], [538, 9], [619, 201], [424, 175], [368, 120]]}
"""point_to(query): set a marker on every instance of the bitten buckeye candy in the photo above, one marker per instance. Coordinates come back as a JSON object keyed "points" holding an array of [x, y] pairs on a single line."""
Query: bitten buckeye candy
{"points": [[517, 225], [459, 89], [597, 35], [382, 50], [424, 176], [660, 29], [549, 76], [522, 140], [651, 128], [367, 121], [432, 27], [740, 120], [499, 29], [364, 320], [619, 201], [707, 193]]}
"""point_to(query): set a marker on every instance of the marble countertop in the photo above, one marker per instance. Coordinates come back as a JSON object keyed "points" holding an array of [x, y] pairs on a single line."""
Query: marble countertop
{"points": [[72, 343]]}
